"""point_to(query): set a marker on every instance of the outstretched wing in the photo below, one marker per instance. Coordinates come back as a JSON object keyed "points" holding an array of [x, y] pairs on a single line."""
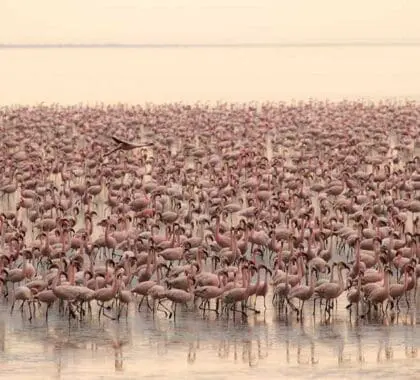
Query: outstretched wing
{"points": [[131, 144], [118, 140]]}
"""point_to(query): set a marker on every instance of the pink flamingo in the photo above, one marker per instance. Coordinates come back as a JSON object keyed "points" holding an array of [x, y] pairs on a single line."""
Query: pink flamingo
{"points": [[303, 293], [180, 296]]}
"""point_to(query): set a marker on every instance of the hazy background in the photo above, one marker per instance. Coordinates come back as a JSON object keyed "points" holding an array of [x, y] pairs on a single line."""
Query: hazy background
{"points": [[346, 69], [206, 21]]}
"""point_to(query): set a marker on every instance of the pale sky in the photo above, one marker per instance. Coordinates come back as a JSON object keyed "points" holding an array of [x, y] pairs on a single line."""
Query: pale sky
{"points": [[207, 21]]}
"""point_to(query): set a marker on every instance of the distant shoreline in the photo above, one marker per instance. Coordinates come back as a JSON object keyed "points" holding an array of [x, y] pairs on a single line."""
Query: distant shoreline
{"points": [[217, 45], [389, 101]]}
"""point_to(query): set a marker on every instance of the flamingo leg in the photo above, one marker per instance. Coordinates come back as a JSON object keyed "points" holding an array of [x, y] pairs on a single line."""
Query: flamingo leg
{"points": [[265, 306], [407, 300], [314, 306], [174, 309], [107, 315], [202, 306], [72, 313], [382, 309], [13, 305], [121, 306], [251, 308], [5, 292], [235, 310], [30, 311], [292, 306], [300, 312], [81, 310], [46, 313], [148, 304], [367, 312], [210, 309], [101, 306], [165, 309], [141, 301], [398, 304]]}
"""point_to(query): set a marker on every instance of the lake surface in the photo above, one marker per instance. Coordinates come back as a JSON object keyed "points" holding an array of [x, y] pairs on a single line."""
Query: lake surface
{"points": [[192, 347], [190, 74]]}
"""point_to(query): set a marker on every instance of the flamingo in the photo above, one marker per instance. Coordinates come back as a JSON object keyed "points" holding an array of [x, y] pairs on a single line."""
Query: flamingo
{"points": [[330, 290], [208, 292], [260, 289], [157, 292], [303, 293], [180, 296], [17, 275], [355, 295], [396, 291], [24, 294], [125, 145], [381, 293], [238, 294], [46, 296], [107, 294]]}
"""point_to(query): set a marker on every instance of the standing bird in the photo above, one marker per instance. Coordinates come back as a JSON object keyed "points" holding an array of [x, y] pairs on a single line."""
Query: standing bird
{"points": [[180, 296], [46, 296], [355, 295], [125, 145], [24, 294], [303, 293], [107, 294], [330, 290]]}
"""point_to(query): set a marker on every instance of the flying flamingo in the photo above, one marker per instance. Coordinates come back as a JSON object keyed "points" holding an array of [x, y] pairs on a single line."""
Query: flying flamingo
{"points": [[125, 145]]}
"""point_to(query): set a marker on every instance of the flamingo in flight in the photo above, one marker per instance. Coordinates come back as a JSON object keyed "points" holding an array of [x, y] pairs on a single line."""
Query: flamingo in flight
{"points": [[125, 145]]}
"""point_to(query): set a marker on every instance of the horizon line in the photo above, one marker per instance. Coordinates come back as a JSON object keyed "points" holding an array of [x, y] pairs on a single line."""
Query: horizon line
{"points": [[106, 45], [392, 100]]}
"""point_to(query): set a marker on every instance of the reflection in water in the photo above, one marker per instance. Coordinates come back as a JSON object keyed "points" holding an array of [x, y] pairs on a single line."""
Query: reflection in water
{"points": [[262, 346], [2, 335]]}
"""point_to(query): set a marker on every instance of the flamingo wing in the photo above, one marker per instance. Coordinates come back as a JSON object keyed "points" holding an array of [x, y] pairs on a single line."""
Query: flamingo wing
{"points": [[118, 140], [127, 143]]}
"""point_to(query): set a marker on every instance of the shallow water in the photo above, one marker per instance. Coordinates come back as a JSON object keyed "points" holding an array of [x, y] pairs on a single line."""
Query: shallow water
{"points": [[262, 346]]}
